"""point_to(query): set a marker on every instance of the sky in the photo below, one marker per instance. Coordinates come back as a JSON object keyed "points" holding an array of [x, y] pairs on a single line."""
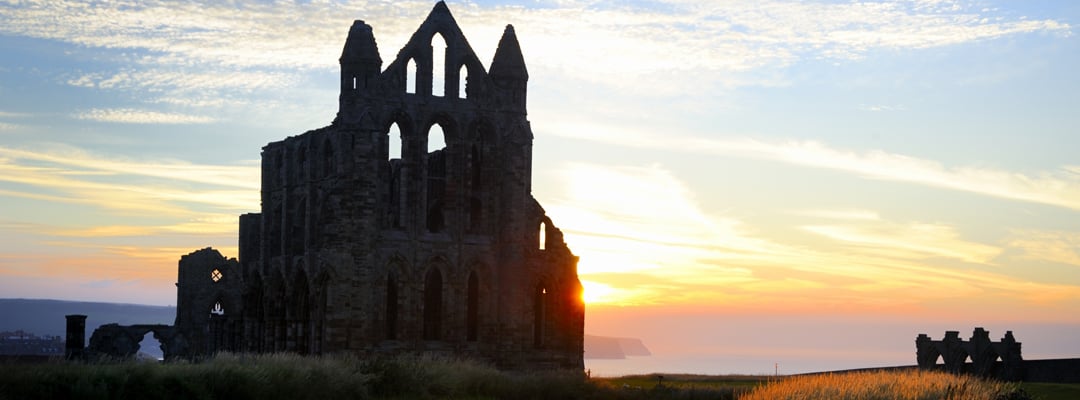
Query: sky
{"points": [[750, 185]]}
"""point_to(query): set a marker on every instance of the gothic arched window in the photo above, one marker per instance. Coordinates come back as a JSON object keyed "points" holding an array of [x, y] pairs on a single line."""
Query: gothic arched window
{"points": [[472, 308], [391, 307], [438, 65], [433, 305], [436, 178], [540, 299]]}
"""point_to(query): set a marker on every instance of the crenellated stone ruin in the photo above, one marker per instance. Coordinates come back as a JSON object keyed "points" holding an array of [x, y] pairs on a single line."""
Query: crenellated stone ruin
{"points": [[1000, 360]]}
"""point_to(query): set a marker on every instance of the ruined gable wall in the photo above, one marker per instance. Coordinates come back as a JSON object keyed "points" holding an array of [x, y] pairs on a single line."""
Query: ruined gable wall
{"points": [[350, 239], [207, 283]]}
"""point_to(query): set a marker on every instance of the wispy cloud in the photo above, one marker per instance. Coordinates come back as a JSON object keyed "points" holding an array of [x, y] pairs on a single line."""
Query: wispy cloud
{"points": [[914, 240], [6, 126], [207, 225], [1054, 246], [132, 116], [719, 41], [157, 80], [844, 214], [83, 162], [881, 107], [1057, 187], [726, 43], [73, 176]]}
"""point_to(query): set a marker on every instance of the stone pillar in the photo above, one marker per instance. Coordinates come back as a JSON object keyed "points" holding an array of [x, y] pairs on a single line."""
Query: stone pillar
{"points": [[76, 337]]}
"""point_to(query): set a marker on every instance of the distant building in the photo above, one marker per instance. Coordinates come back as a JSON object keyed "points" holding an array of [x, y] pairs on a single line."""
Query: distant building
{"points": [[27, 344], [358, 249]]}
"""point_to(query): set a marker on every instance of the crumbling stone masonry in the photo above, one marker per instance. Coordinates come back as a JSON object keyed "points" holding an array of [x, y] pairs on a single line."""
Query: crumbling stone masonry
{"points": [[361, 248], [123, 341], [1001, 360], [209, 288]]}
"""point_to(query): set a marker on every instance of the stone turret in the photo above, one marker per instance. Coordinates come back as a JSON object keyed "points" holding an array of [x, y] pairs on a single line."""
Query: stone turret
{"points": [[508, 68], [360, 64]]}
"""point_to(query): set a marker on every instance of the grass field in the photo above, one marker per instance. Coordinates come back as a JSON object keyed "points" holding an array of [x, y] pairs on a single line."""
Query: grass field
{"points": [[284, 376], [725, 386], [1052, 391]]}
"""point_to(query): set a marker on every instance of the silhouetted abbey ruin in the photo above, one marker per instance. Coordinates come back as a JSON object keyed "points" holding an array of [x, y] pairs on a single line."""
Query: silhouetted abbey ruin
{"points": [[361, 250], [1001, 360]]}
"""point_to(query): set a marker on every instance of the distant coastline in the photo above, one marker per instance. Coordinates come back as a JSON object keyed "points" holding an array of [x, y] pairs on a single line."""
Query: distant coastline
{"points": [[45, 317]]}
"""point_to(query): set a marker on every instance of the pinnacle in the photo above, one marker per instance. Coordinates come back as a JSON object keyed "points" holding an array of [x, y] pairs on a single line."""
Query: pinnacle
{"points": [[508, 61]]}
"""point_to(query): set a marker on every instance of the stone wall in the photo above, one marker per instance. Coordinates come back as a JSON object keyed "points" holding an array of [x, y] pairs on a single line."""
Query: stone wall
{"points": [[123, 341], [209, 302]]}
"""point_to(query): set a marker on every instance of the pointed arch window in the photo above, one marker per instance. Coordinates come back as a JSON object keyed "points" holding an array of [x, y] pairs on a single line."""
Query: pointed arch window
{"points": [[298, 229], [433, 305], [543, 235], [463, 79], [393, 149], [320, 322], [410, 77], [328, 158], [277, 219], [436, 178], [438, 65], [476, 208], [474, 168], [476, 215], [472, 308], [391, 307], [301, 314], [540, 299], [436, 138], [394, 190]]}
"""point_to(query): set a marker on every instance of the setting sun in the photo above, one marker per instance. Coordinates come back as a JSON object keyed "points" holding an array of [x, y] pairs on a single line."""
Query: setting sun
{"points": [[594, 292]]}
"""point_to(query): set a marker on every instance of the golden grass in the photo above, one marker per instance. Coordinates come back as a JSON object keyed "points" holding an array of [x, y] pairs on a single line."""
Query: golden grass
{"points": [[881, 385]]}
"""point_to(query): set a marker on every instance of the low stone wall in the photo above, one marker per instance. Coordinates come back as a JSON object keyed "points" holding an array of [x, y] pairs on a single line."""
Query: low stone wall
{"points": [[1064, 370]]}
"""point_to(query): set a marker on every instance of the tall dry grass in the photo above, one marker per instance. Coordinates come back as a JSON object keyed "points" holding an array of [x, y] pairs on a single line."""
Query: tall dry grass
{"points": [[882, 385]]}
